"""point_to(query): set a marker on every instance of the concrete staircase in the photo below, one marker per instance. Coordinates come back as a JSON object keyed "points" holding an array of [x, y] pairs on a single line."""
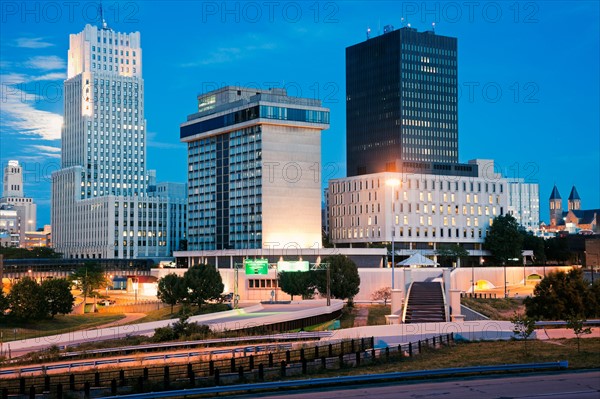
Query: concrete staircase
{"points": [[425, 303]]}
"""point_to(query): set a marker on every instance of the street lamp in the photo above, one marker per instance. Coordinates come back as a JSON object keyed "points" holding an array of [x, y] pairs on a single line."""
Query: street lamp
{"points": [[392, 183]]}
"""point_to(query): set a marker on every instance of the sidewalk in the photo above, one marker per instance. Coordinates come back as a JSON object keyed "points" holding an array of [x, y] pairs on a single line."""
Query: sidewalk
{"points": [[563, 333]]}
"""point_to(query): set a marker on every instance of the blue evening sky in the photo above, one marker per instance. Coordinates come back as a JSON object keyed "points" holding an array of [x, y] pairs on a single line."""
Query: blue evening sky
{"points": [[528, 76]]}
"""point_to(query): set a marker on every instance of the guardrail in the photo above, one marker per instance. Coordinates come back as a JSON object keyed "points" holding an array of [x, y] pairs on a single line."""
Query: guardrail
{"points": [[168, 345], [351, 379], [164, 357]]}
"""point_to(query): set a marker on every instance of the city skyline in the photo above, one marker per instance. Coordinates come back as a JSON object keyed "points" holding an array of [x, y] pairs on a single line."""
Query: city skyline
{"points": [[210, 47]]}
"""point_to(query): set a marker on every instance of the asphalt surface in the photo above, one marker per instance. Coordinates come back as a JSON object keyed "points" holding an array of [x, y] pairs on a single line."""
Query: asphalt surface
{"points": [[564, 385]]}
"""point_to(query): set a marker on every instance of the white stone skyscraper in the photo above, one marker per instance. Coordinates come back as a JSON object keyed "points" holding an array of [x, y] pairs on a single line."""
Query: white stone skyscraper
{"points": [[14, 199], [100, 202]]}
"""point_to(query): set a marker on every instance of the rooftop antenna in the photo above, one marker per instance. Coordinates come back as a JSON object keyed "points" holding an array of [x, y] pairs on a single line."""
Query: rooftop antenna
{"points": [[402, 22], [433, 27], [368, 33], [102, 20]]}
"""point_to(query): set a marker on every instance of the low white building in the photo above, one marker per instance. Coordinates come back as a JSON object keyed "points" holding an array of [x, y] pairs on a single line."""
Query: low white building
{"points": [[420, 211]]}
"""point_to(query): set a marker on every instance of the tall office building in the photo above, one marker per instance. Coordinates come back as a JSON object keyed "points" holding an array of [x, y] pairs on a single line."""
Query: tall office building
{"points": [[100, 202], [254, 161], [524, 203], [13, 199], [401, 103]]}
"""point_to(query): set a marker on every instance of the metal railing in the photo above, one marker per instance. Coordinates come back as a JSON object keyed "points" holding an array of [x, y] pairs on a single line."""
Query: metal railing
{"points": [[159, 377], [350, 380]]}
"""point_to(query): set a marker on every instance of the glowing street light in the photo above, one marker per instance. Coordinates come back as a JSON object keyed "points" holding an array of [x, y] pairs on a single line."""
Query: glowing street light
{"points": [[392, 183]]}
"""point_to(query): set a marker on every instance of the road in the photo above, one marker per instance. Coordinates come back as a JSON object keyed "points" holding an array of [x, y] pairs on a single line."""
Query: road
{"points": [[251, 316], [569, 385]]}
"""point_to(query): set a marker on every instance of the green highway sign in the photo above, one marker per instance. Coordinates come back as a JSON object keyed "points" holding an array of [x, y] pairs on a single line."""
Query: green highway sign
{"points": [[256, 266], [294, 266]]}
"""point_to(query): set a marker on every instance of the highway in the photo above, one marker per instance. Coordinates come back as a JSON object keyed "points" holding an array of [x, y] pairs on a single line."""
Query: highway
{"points": [[563, 385], [232, 320]]}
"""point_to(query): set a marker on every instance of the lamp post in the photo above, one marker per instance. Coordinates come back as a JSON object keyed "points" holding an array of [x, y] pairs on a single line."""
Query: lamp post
{"points": [[504, 265], [392, 183]]}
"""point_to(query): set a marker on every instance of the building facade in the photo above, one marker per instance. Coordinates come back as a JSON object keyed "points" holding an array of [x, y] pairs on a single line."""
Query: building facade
{"points": [[524, 203], [401, 101], [13, 197], [101, 207], [253, 170], [574, 219], [418, 211]]}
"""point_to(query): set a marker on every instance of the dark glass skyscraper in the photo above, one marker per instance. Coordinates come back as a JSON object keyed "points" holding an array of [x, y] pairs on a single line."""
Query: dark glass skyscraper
{"points": [[401, 102]]}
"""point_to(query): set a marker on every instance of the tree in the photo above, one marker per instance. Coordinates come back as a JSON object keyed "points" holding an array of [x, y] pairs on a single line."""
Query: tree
{"points": [[203, 283], [557, 249], [3, 303], [576, 323], [535, 244], [23, 253], [344, 277], [523, 327], [26, 300], [297, 283], [382, 294], [560, 295], [503, 239], [452, 251], [58, 297], [89, 278], [171, 290]]}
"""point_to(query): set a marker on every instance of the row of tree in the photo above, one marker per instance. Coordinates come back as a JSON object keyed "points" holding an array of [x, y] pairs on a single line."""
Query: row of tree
{"points": [[29, 300], [24, 253], [506, 240], [198, 285], [343, 275], [203, 283]]}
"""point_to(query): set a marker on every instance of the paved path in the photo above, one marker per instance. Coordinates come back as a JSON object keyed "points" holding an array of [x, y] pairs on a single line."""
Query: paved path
{"points": [[129, 317], [362, 317], [559, 333]]}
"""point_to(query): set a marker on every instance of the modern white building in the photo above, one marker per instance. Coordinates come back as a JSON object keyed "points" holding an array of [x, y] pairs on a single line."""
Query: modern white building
{"points": [[254, 170], [524, 203], [101, 205], [419, 212], [13, 197]]}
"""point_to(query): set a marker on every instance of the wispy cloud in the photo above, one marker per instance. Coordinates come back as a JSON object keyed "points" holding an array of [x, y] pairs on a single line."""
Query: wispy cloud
{"points": [[50, 76], [47, 148], [32, 42], [18, 114], [46, 62], [17, 78], [223, 55], [152, 142]]}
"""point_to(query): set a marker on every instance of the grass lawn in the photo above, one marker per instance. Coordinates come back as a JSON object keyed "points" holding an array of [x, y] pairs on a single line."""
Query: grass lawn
{"points": [[348, 316], [377, 315], [165, 313], [59, 325], [466, 354], [497, 309]]}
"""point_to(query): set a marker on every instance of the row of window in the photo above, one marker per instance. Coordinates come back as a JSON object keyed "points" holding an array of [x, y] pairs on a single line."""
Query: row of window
{"points": [[420, 50], [110, 59], [416, 232], [256, 283], [103, 67], [419, 184]]}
